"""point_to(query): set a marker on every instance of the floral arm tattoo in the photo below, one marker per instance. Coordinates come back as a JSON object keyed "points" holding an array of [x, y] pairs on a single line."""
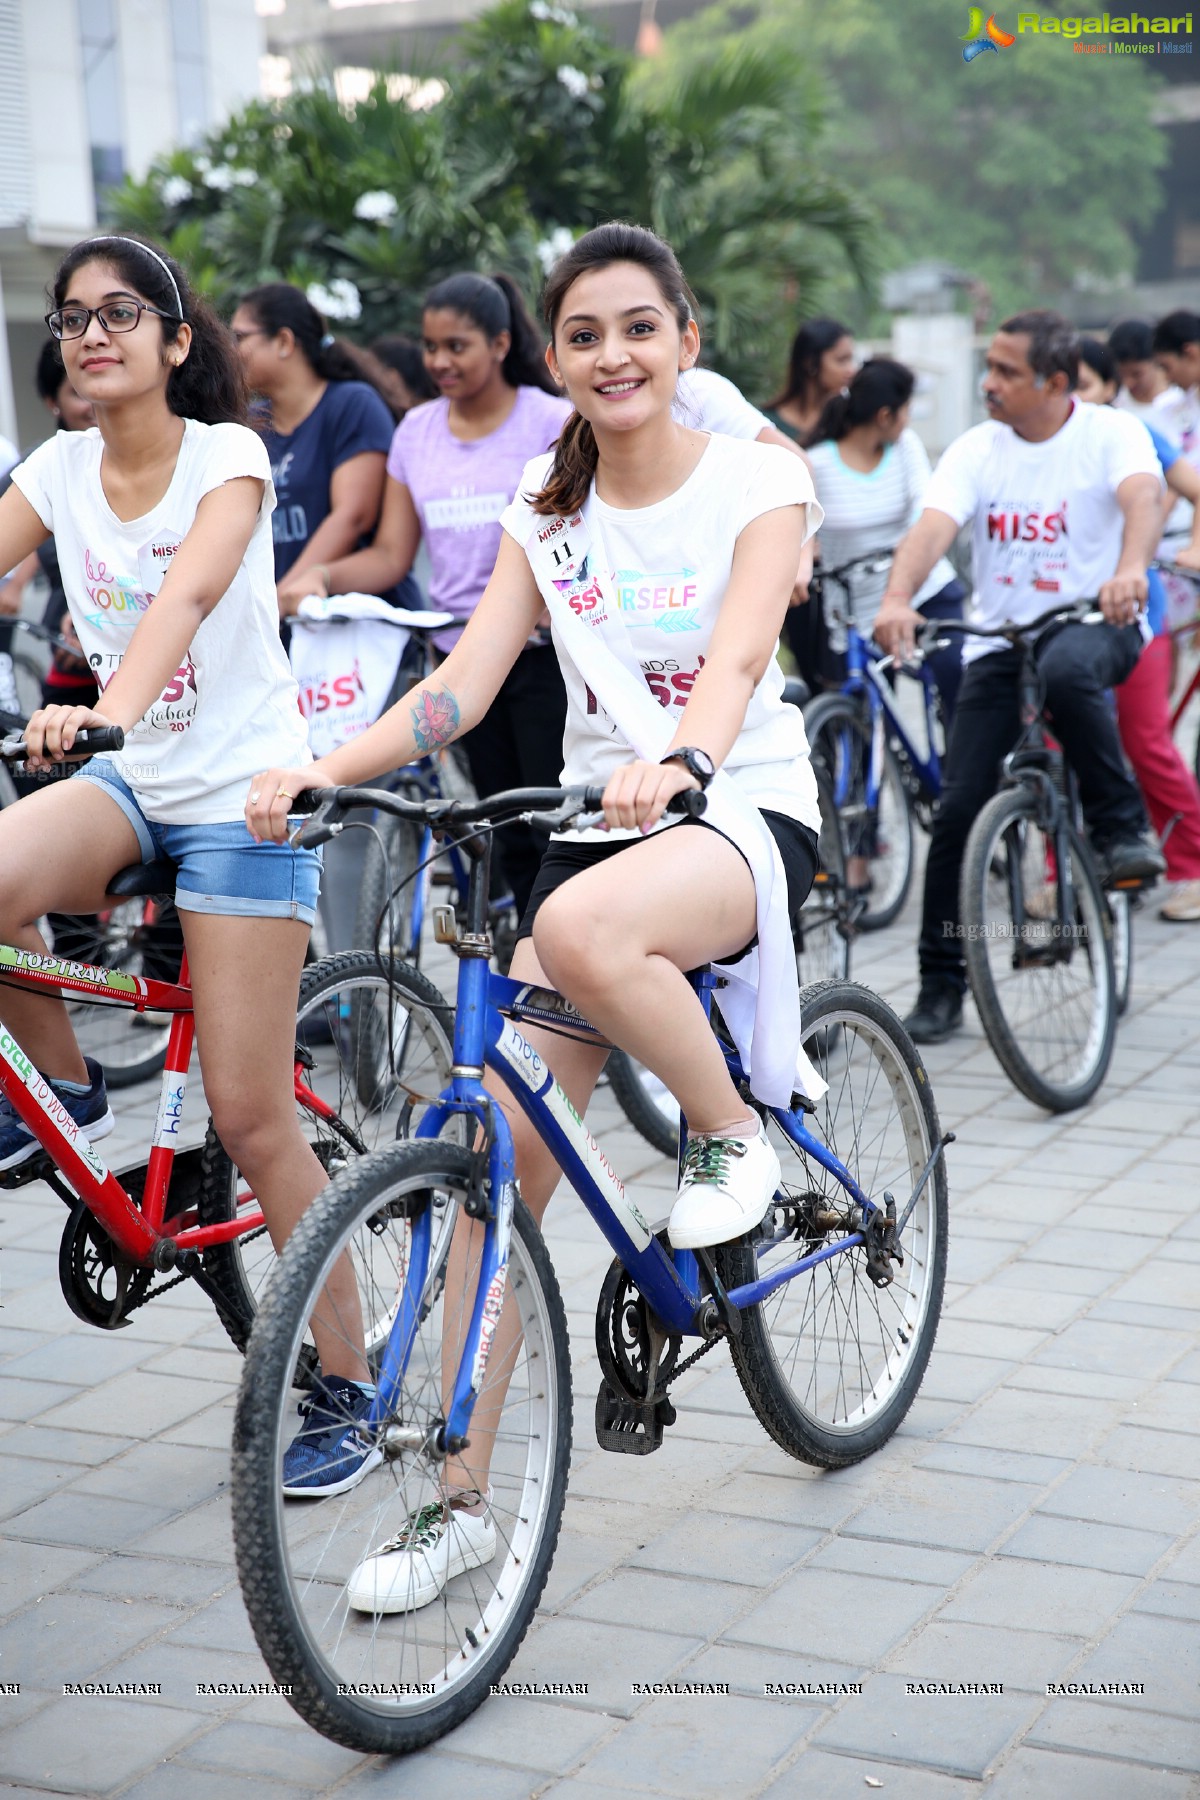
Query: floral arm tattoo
{"points": [[435, 719]]}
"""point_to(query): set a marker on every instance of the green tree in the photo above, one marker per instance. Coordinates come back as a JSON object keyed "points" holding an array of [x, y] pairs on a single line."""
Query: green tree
{"points": [[543, 129], [1032, 169]]}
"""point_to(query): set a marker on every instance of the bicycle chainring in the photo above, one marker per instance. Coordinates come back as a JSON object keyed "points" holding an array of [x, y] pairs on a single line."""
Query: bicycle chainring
{"points": [[99, 1284], [636, 1355]]}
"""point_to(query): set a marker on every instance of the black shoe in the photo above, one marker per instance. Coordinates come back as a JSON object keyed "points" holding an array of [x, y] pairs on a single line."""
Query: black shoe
{"points": [[1131, 859], [936, 1016]]}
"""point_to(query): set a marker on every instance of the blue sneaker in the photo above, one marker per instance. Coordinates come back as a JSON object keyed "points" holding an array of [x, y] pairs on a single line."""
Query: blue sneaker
{"points": [[87, 1106], [328, 1456]]}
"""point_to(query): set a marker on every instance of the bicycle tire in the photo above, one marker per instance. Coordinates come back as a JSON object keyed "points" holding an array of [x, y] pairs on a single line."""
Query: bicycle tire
{"points": [[821, 928], [829, 1362], [1121, 910], [1052, 1031], [388, 890], [341, 1002], [840, 741], [295, 1561], [650, 1107], [130, 1047]]}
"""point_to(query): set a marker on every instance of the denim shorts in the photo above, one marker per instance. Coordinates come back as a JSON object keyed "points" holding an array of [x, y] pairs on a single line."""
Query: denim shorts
{"points": [[219, 868]]}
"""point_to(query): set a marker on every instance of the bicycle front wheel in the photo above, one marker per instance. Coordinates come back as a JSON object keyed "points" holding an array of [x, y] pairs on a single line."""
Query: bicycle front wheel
{"points": [[1043, 986], [392, 1681], [381, 1049], [1120, 907], [829, 1362], [876, 821]]}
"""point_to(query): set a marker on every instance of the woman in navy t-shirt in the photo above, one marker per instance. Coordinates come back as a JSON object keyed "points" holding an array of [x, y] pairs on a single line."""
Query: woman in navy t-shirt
{"points": [[327, 432]]}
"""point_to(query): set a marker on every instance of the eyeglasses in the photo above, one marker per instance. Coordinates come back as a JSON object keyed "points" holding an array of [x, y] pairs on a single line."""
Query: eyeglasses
{"points": [[239, 337], [114, 316]]}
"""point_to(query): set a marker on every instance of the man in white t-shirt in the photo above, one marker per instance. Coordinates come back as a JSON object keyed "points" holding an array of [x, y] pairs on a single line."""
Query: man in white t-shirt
{"points": [[1065, 501]]}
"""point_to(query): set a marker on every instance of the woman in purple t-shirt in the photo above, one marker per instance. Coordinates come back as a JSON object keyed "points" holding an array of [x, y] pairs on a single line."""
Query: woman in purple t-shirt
{"points": [[454, 466]]}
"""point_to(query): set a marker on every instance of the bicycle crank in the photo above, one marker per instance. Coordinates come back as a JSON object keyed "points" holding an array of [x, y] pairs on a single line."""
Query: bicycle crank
{"points": [[100, 1285]]}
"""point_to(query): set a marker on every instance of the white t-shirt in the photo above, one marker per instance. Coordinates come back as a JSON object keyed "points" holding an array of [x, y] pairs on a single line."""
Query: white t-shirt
{"points": [[670, 565], [232, 708], [865, 512], [710, 402], [1047, 523]]}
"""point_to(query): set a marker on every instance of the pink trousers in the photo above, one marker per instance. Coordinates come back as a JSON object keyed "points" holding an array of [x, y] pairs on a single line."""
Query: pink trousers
{"points": [[1168, 785]]}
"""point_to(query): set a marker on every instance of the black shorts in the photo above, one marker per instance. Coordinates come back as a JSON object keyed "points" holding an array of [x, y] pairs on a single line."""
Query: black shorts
{"points": [[797, 849]]}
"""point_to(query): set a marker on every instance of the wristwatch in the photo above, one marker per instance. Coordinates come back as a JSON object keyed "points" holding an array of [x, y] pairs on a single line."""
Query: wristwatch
{"points": [[697, 763]]}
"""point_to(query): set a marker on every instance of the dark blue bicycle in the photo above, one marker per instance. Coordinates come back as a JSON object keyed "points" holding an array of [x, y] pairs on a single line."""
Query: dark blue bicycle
{"points": [[881, 780], [829, 1311]]}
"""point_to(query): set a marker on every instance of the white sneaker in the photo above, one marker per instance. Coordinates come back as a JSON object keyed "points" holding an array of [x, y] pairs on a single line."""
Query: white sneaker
{"points": [[727, 1185], [438, 1542]]}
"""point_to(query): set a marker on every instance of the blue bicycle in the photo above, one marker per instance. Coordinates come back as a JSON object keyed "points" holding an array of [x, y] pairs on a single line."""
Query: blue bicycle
{"points": [[829, 1311], [880, 779]]}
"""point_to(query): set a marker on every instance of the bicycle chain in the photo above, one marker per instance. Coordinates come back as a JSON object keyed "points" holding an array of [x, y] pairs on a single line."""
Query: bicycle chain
{"points": [[164, 1287], [678, 1370]]}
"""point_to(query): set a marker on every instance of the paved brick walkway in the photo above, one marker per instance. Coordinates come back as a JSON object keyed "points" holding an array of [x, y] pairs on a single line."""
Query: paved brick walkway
{"points": [[1033, 1522]]}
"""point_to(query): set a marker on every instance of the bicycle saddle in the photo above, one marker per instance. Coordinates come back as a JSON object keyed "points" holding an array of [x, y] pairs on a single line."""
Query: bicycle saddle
{"points": [[796, 692], [153, 879]]}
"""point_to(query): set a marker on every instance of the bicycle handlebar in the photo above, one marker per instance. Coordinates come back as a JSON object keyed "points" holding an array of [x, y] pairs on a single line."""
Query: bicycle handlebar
{"points": [[567, 802], [1083, 612], [1170, 568], [96, 742]]}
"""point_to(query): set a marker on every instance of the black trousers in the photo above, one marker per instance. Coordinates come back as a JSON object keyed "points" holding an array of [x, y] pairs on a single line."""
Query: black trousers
{"points": [[1078, 664], [519, 743]]}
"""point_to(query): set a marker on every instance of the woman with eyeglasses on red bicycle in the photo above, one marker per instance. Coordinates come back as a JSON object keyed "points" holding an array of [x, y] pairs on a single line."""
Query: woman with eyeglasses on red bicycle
{"points": [[162, 520]]}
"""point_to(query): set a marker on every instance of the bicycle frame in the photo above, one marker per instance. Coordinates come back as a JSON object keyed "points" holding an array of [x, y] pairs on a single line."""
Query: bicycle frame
{"points": [[140, 1229], [864, 680], [485, 1036]]}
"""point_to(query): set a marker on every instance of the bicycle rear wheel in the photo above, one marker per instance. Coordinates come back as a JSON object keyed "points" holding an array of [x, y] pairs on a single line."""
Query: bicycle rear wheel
{"points": [[647, 1102], [821, 929], [1121, 909], [1045, 994], [877, 831], [393, 1681], [385, 905], [140, 937], [831, 1363], [381, 1048]]}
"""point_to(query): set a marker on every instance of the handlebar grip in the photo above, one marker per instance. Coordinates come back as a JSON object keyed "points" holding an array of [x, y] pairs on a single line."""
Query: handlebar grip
{"points": [[692, 801], [309, 799], [97, 741]]}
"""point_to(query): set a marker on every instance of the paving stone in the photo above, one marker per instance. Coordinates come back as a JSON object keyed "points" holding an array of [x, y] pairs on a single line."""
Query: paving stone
{"points": [[965, 1378], [1029, 1277], [141, 1402], [80, 1449], [91, 1746], [825, 1613], [86, 1519], [1154, 1452], [1171, 1406], [157, 1471], [1037, 1308], [968, 1337], [958, 1734], [66, 1636], [439, 1775], [1061, 1425], [20, 1400], [1053, 1775], [993, 1465], [951, 1650], [1163, 1654], [944, 1510], [1064, 1244], [1163, 1282], [1045, 1378], [77, 1361], [1117, 1349], [1103, 1728], [894, 1561], [310, 1761], [748, 1669], [665, 1603], [1171, 1599], [1119, 1497], [722, 1547], [174, 1782], [28, 1479], [1038, 1597], [820, 1776], [221, 1624], [664, 1748], [606, 1657], [175, 1583], [805, 1499], [542, 1735], [205, 1534], [1087, 1545]]}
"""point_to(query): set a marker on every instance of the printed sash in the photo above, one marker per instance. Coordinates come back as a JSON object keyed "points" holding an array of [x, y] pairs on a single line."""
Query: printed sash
{"points": [[761, 1003]]}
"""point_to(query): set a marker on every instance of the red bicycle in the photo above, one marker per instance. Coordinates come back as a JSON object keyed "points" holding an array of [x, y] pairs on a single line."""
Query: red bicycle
{"points": [[373, 1048]]}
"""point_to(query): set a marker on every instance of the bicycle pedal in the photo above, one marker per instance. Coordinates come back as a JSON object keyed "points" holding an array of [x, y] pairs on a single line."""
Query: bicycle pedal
{"points": [[38, 1168], [628, 1429]]}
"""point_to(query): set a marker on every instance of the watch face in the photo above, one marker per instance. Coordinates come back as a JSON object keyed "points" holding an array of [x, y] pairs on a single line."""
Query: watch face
{"points": [[705, 762]]}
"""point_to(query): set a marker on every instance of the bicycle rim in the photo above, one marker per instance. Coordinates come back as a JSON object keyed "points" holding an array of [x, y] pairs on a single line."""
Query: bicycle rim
{"points": [[390, 1681], [876, 829], [1043, 991], [829, 1362], [381, 1051]]}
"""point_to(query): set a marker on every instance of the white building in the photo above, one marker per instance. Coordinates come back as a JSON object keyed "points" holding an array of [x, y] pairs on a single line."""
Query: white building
{"points": [[90, 91]]}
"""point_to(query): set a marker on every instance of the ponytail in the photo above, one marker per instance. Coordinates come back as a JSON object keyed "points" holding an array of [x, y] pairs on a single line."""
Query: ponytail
{"points": [[494, 303], [576, 458], [880, 384]]}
